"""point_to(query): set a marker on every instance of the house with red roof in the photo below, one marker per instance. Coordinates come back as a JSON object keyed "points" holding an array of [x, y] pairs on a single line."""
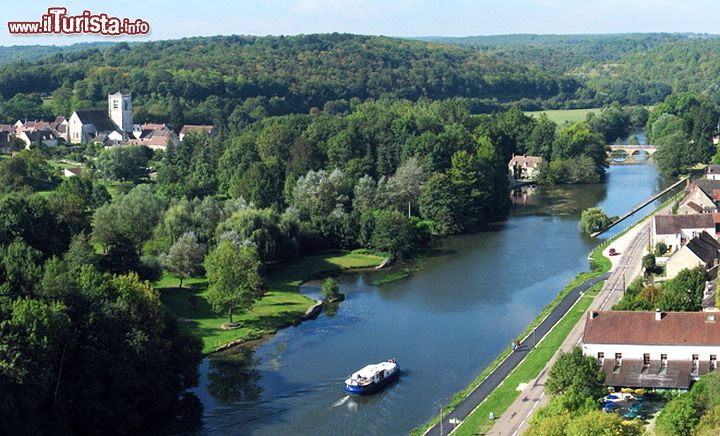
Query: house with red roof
{"points": [[653, 349]]}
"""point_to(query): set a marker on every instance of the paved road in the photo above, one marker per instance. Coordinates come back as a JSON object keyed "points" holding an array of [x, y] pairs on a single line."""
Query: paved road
{"points": [[496, 377], [514, 420]]}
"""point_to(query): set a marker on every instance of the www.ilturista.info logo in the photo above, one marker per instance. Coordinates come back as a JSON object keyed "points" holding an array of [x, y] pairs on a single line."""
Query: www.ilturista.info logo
{"points": [[56, 21]]}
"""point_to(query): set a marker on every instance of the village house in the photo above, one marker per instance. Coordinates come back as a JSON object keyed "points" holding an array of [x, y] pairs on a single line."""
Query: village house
{"points": [[208, 130], [154, 136], [676, 230], [702, 250], [72, 172], [704, 192], [712, 172], [709, 301], [652, 349], [696, 200], [45, 136], [524, 167]]}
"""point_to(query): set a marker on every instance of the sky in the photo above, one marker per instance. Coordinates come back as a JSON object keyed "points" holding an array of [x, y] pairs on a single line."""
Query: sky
{"points": [[170, 19]]}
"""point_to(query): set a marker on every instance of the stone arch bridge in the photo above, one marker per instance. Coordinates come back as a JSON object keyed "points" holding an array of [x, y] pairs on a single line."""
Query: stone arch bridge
{"points": [[630, 154]]}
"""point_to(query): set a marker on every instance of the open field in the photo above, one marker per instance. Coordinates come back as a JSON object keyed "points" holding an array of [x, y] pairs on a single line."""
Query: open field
{"points": [[281, 305], [560, 116]]}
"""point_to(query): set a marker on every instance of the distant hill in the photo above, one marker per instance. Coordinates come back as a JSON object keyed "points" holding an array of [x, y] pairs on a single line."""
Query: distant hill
{"points": [[566, 52], [28, 53], [205, 79]]}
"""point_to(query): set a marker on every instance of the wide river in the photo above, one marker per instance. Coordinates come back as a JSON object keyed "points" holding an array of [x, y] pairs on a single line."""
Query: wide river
{"points": [[444, 324]]}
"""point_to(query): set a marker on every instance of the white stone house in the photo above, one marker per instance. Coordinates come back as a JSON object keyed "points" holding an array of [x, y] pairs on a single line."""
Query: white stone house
{"points": [[712, 172], [524, 167], [676, 230], [207, 129], [702, 250], [46, 137], [652, 349]]}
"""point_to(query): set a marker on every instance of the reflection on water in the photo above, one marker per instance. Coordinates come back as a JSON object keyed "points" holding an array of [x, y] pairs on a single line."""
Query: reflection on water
{"points": [[443, 324], [232, 377], [556, 200]]}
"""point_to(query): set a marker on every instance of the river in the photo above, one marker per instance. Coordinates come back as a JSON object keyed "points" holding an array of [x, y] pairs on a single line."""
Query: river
{"points": [[444, 324]]}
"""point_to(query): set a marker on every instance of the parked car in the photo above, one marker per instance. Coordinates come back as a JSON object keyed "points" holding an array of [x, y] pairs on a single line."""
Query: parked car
{"points": [[613, 252]]}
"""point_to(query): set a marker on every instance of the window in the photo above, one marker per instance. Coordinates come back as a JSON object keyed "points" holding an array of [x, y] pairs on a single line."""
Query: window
{"points": [[713, 362], [646, 359], [663, 360], [601, 358], [695, 359], [115, 104]]}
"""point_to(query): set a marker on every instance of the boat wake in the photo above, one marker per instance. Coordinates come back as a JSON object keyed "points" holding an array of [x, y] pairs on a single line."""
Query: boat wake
{"points": [[341, 401]]}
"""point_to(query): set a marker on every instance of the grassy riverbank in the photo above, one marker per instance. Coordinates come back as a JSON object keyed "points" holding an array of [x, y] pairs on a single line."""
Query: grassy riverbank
{"points": [[281, 306]]}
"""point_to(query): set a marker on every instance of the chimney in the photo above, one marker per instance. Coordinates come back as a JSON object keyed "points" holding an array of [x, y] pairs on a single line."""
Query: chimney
{"points": [[658, 315]]}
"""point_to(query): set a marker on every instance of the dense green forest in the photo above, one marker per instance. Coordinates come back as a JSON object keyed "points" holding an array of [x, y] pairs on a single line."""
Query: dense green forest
{"points": [[628, 68], [29, 53], [240, 78]]}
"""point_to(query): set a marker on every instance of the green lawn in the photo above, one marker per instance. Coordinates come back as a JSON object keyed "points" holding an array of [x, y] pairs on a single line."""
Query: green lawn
{"points": [[117, 188], [502, 397], [560, 116], [281, 306]]}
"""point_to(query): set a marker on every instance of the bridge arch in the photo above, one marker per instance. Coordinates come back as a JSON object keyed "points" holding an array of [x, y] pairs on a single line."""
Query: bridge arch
{"points": [[619, 156]]}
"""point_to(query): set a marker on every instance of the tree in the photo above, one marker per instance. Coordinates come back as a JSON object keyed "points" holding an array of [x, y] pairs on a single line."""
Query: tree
{"points": [[132, 217], [679, 417], [438, 203], [648, 263], [185, 257], [26, 170], [684, 292], [234, 277], [393, 233], [258, 227], [710, 423], [124, 163], [331, 290], [660, 249], [575, 372], [599, 423], [593, 220]]}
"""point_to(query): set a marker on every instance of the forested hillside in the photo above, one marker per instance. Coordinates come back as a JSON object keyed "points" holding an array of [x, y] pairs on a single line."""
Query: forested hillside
{"points": [[207, 79], [29, 53], [628, 68]]}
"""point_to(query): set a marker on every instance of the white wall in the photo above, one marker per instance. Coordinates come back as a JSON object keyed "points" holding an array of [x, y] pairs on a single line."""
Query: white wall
{"points": [[635, 352], [680, 260]]}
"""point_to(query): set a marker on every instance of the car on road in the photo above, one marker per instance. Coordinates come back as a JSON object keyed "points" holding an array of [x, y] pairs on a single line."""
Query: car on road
{"points": [[612, 252]]}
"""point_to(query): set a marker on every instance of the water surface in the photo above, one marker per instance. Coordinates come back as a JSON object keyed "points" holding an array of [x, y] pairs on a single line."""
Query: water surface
{"points": [[444, 324]]}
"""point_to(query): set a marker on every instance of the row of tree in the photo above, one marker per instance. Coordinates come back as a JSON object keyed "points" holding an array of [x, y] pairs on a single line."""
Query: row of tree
{"points": [[684, 293]]}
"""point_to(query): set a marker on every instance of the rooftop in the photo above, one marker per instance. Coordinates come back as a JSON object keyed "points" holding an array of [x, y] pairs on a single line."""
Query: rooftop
{"points": [[525, 160], [641, 328], [97, 117], [673, 224], [705, 247]]}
